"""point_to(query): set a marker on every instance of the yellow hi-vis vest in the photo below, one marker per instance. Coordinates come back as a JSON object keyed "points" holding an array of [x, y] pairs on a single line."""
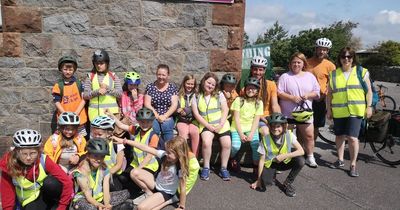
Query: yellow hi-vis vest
{"points": [[26, 190], [98, 104], [111, 159], [271, 150], [194, 168], [348, 98], [96, 185], [211, 112], [139, 155]]}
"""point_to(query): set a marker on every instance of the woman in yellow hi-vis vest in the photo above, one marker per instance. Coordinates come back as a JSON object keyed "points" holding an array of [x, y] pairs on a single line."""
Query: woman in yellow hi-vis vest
{"points": [[211, 110], [347, 103], [102, 87], [276, 153], [31, 177]]}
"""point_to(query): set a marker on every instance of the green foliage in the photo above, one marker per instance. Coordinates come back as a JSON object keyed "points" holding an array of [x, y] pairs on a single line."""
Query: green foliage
{"points": [[246, 41], [388, 54]]}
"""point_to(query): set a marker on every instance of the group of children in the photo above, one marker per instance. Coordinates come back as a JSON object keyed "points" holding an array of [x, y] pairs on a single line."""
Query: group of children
{"points": [[110, 169]]}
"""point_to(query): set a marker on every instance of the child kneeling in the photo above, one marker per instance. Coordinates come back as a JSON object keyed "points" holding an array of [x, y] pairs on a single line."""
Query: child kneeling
{"points": [[276, 154]]}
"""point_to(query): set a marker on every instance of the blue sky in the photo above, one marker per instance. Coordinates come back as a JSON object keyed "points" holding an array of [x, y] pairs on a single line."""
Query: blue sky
{"points": [[379, 20]]}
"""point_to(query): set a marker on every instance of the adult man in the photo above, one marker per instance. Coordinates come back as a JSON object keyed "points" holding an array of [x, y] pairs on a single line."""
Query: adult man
{"points": [[320, 66]]}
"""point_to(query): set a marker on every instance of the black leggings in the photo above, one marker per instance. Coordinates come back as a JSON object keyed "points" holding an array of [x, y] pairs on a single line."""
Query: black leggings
{"points": [[49, 195], [295, 164]]}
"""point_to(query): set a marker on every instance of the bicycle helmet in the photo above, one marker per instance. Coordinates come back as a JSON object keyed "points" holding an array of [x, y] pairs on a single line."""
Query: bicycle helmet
{"points": [[25, 138], [302, 114], [259, 61], [323, 42], [68, 118], [252, 81], [100, 55], [103, 122], [98, 146], [145, 114], [276, 118], [229, 79], [132, 78], [67, 59]]}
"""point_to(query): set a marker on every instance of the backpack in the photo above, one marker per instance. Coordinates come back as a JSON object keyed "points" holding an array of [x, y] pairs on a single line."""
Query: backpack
{"points": [[61, 86], [375, 96]]}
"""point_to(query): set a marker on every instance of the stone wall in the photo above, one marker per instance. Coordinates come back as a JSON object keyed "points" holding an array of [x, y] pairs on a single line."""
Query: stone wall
{"points": [[191, 37]]}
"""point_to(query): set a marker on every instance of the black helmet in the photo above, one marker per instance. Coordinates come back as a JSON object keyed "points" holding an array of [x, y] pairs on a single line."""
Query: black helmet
{"points": [[252, 81], [100, 55], [67, 59], [276, 118], [228, 78], [98, 146], [145, 114]]}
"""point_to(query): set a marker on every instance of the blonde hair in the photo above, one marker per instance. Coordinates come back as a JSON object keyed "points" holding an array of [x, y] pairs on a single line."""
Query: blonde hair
{"points": [[14, 166], [182, 87], [300, 56], [181, 149]]}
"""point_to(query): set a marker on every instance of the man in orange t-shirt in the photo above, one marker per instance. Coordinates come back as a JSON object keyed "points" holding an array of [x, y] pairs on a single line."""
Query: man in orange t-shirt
{"points": [[320, 66]]}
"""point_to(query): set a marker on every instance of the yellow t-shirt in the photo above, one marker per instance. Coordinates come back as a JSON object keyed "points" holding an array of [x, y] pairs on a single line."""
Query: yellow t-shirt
{"points": [[321, 72], [247, 113]]}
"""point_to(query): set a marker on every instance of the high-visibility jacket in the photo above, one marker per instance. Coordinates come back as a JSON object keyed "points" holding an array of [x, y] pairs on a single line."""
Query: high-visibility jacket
{"points": [[272, 150], [26, 190], [139, 155], [211, 112], [194, 168], [348, 97], [111, 159], [96, 185], [98, 104]]}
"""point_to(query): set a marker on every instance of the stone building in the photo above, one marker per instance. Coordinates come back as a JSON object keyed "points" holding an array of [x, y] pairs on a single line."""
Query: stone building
{"points": [[191, 37]]}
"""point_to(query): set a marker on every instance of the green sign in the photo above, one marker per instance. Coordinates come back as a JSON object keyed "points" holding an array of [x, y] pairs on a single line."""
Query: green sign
{"points": [[249, 52]]}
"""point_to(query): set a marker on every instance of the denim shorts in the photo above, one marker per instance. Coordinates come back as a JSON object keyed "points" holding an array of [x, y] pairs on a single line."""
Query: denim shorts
{"points": [[349, 126]]}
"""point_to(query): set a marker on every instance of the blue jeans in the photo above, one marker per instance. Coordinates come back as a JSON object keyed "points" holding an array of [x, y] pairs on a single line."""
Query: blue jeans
{"points": [[164, 130]]}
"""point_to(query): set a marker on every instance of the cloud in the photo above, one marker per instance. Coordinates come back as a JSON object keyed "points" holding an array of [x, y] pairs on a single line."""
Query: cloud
{"points": [[387, 16]]}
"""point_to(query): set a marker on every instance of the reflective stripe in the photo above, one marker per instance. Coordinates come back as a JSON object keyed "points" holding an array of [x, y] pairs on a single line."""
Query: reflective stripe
{"points": [[96, 185], [98, 104], [209, 111], [111, 160], [272, 150], [139, 155], [104, 106]]}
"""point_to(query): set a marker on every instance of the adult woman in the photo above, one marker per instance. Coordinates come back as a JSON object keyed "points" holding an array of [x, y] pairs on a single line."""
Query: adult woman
{"points": [[347, 104], [162, 98], [297, 89], [31, 177]]}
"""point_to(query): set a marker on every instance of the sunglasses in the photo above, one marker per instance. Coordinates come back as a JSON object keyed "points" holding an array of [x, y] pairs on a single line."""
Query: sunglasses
{"points": [[346, 56]]}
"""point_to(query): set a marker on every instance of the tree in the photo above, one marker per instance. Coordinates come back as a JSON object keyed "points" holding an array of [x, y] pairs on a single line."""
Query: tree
{"points": [[388, 54], [275, 33], [246, 41]]}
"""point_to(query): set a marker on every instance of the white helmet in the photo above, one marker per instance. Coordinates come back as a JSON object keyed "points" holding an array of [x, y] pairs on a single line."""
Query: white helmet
{"points": [[323, 42], [27, 138], [103, 122], [68, 118], [259, 61]]}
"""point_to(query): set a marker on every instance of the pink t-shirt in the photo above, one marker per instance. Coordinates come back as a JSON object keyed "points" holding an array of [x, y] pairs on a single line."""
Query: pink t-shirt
{"points": [[296, 85]]}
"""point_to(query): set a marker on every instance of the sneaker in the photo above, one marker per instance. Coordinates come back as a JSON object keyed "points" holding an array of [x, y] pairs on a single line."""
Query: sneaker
{"points": [[289, 190], [234, 165], [337, 164], [310, 161], [353, 171], [224, 174], [205, 174], [139, 199]]}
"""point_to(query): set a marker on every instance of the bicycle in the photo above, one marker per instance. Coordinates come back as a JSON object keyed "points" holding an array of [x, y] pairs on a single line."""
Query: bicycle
{"points": [[387, 150], [386, 103]]}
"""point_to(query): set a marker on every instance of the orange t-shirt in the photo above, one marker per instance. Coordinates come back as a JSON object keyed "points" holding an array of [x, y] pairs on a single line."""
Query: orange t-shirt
{"points": [[271, 92], [153, 142], [71, 100], [321, 71]]}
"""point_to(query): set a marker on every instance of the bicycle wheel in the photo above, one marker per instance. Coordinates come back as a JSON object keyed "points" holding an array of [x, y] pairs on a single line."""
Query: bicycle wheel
{"points": [[387, 151], [387, 104], [326, 133]]}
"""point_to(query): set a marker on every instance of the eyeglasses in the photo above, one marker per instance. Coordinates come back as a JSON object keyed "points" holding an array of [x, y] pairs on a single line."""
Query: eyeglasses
{"points": [[31, 154], [346, 56]]}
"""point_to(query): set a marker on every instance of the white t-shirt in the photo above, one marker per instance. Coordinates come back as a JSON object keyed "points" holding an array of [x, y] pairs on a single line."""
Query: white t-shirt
{"points": [[66, 154], [261, 148], [167, 181]]}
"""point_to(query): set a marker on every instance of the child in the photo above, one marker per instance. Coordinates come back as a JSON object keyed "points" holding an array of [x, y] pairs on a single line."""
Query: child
{"points": [[31, 177], [67, 92], [136, 158], [103, 127], [173, 173], [276, 154], [247, 111], [102, 87], [185, 124], [93, 181], [227, 85], [67, 148], [211, 111], [131, 99]]}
